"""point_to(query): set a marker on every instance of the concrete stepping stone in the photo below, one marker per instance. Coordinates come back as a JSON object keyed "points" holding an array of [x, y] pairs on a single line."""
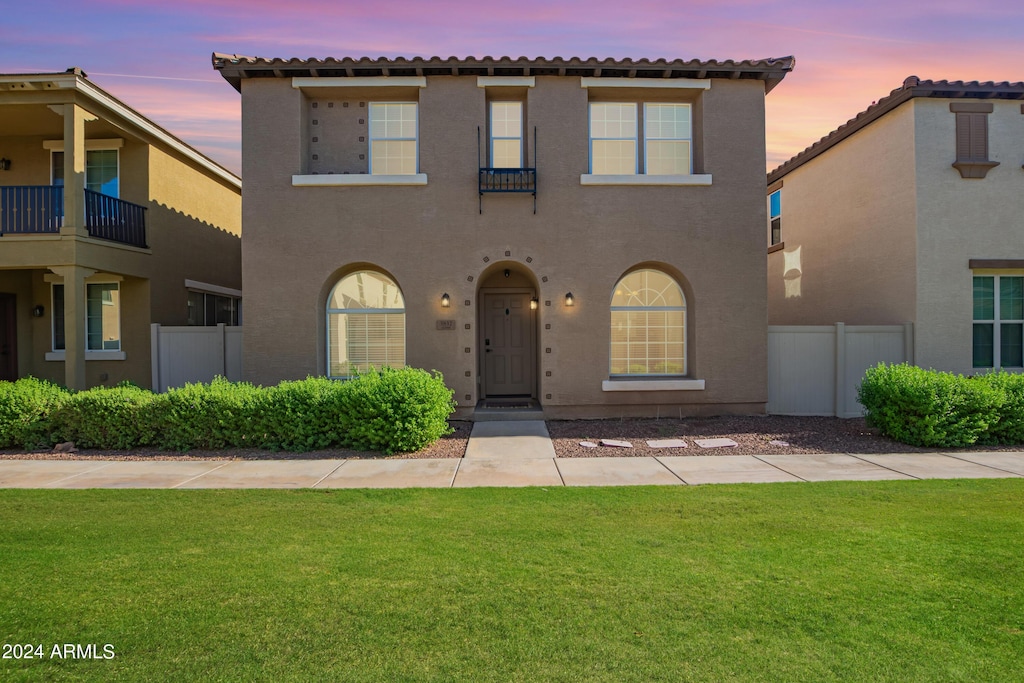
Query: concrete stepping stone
{"points": [[715, 443], [616, 443], [588, 444], [667, 443]]}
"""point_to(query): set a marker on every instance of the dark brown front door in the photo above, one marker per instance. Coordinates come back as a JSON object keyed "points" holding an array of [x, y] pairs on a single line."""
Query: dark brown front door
{"points": [[508, 345], [8, 339]]}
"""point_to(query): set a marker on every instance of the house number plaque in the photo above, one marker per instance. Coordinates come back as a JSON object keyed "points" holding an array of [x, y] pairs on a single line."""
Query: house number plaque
{"points": [[446, 324]]}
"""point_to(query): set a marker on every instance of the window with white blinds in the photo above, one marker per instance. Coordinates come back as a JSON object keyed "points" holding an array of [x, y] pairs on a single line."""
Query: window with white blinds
{"points": [[365, 324], [648, 335]]}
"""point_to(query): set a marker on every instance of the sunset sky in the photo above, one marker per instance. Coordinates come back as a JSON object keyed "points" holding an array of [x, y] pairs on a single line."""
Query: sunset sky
{"points": [[156, 56]]}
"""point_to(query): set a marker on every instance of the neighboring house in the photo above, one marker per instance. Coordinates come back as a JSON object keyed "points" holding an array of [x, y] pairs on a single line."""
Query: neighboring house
{"points": [[108, 223], [913, 211], [581, 235]]}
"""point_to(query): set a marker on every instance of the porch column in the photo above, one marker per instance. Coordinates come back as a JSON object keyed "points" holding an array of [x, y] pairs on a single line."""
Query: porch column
{"points": [[74, 323], [74, 170]]}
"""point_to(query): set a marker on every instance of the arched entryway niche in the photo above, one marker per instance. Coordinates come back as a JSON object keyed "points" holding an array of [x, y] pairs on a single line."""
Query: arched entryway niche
{"points": [[508, 315]]}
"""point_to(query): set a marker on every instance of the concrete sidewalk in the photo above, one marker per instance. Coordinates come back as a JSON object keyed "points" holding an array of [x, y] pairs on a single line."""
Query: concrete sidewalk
{"points": [[510, 453], [494, 471]]}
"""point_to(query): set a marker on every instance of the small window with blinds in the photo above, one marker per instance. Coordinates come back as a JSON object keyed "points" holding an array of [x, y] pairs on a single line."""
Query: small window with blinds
{"points": [[972, 138], [365, 325]]}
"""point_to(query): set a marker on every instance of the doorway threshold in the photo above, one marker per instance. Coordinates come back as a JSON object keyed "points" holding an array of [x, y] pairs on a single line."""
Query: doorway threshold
{"points": [[508, 408]]}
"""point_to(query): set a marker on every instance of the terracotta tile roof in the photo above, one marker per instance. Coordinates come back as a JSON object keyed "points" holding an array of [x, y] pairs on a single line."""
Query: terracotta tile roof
{"points": [[912, 87], [234, 68]]}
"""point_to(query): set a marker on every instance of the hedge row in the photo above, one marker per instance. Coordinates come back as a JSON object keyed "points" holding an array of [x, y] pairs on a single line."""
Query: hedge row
{"points": [[939, 409], [388, 410]]}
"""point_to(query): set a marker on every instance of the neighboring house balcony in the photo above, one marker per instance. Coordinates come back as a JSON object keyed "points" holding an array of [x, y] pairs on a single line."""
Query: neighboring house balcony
{"points": [[39, 209]]}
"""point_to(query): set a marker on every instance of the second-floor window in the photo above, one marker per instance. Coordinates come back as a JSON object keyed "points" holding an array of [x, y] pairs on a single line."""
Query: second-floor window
{"points": [[393, 132], [615, 133], [507, 134], [101, 172], [775, 215]]}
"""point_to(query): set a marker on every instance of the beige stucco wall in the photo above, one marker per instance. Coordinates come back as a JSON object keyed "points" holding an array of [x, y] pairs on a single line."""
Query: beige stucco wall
{"points": [[961, 219], [432, 239], [848, 220]]}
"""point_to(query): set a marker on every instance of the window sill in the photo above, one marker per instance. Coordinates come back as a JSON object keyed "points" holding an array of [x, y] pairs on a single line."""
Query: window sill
{"points": [[643, 179], [346, 179], [652, 385], [974, 169], [90, 355]]}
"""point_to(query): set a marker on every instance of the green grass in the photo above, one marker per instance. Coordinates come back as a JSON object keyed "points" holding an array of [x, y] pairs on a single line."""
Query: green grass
{"points": [[839, 581]]}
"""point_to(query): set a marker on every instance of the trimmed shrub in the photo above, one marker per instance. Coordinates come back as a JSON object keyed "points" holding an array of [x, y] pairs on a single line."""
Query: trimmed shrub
{"points": [[220, 414], [1010, 427], [25, 409], [395, 411], [926, 407], [118, 417], [303, 415]]}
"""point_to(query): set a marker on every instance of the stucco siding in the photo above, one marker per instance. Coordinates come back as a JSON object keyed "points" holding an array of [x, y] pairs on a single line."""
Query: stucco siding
{"points": [[433, 239], [848, 224], [962, 219]]}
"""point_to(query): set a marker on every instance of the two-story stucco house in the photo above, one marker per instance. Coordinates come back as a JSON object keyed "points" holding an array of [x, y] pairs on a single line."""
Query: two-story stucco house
{"points": [[582, 236], [108, 223], [913, 211]]}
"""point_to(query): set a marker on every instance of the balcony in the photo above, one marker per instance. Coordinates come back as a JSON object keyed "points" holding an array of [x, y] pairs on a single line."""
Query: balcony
{"points": [[39, 209]]}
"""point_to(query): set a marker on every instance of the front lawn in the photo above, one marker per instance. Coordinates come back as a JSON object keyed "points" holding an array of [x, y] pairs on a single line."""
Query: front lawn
{"points": [[838, 581]]}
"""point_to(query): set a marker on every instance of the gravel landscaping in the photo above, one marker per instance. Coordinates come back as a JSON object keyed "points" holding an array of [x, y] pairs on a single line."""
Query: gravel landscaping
{"points": [[754, 435]]}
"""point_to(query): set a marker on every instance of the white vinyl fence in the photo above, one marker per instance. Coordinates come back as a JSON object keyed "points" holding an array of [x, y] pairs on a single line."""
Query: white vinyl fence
{"points": [[816, 369], [194, 354]]}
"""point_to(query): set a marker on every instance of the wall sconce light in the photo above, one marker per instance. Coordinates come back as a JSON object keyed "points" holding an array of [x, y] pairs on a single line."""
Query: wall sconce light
{"points": [[508, 272], [38, 311], [534, 303], [569, 301], [446, 301], [5, 164]]}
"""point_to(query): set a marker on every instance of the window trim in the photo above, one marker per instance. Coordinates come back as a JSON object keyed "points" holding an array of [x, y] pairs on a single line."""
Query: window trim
{"points": [[647, 378], [370, 138], [351, 311], [90, 354], [996, 321]]}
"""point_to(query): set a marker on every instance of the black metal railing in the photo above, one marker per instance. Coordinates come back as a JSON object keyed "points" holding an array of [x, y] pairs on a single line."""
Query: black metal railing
{"points": [[508, 180], [30, 209], [110, 218], [491, 179], [39, 209]]}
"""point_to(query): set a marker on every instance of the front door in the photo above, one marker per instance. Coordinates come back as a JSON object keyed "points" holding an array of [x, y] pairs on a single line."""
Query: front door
{"points": [[8, 339], [508, 345]]}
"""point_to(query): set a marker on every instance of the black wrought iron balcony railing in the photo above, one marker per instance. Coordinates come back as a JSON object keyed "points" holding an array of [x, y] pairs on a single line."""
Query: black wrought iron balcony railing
{"points": [[508, 180], [39, 209]]}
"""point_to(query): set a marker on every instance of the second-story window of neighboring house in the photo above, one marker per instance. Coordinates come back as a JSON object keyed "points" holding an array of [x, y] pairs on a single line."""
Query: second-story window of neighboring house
{"points": [[101, 171], [998, 321], [775, 215], [615, 130], [393, 131], [205, 308], [507, 134]]}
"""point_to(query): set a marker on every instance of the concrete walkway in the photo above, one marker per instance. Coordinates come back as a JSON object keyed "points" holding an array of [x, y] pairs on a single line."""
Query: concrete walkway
{"points": [[505, 454]]}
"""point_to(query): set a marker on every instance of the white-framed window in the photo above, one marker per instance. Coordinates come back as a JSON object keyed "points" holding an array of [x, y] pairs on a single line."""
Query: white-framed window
{"points": [[648, 326], [506, 134], [365, 324], [775, 216], [998, 340], [613, 130], [667, 134], [102, 170], [667, 137], [102, 316], [393, 138]]}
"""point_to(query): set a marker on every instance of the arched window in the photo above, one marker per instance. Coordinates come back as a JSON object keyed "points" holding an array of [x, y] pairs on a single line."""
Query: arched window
{"points": [[365, 324], [648, 325]]}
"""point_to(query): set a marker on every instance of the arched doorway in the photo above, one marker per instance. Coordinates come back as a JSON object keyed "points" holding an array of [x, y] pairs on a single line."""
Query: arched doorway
{"points": [[507, 321]]}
